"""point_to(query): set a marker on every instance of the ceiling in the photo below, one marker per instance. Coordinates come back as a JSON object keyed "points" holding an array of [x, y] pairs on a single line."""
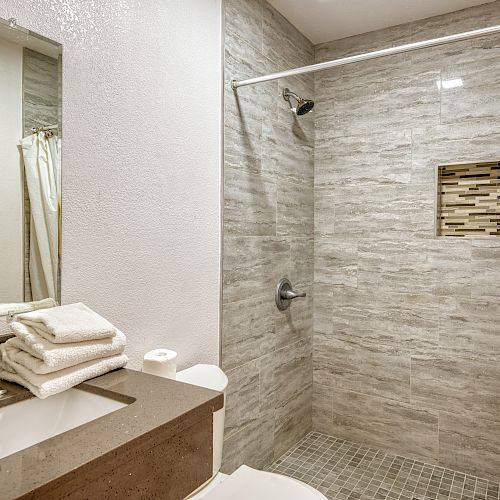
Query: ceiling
{"points": [[325, 20]]}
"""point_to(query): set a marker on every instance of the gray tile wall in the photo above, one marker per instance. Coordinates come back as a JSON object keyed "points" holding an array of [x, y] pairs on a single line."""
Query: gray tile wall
{"points": [[268, 234], [406, 336]]}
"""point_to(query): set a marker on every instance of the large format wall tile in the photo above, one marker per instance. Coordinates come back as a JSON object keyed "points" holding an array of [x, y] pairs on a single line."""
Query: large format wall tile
{"points": [[479, 95], [349, 363], [243, 401], [400, 322], [469, 443], [249, 204], [245, 109], [395, 101], [301, 261], [386, 424], [360, 160], [243, 19], [295, 209], [406, 322], [323, 308], [458, 143], [292, 371], [293, 420], [336, 261], [435, 266], [253, 266], [282, 40], [485, 268], [386, 211], [322, 408], [254, 315], [366, 42], [287, 151], [473, 18], [275, 389], [250, 446], [293, 394], [268, 235], [450, 383], [469, 327]]}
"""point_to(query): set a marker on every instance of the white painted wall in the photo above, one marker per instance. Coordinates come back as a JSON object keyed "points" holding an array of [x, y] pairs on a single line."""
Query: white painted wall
{"points": [[11, 180], [141, 164]]}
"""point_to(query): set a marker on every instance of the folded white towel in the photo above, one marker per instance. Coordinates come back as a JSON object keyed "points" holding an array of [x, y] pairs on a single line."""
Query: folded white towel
{"points": [[41, 356], [5, 330], [43, 386], [70, 323], [20, 307]]}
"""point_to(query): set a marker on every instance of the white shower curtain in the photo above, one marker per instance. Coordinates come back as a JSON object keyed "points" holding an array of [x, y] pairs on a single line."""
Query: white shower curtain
{"points": [[42, 167]]}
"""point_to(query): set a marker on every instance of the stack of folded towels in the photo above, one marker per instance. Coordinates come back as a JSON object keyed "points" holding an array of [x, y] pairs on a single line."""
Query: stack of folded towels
{"points": [[6, 310], [57, 348]]}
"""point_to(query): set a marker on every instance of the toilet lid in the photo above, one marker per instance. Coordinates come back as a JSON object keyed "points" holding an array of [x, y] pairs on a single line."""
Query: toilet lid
{"points": [[250, 484]]}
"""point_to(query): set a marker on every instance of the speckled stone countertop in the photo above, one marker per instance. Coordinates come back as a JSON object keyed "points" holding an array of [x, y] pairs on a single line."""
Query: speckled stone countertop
{"points": [[153, 403]]}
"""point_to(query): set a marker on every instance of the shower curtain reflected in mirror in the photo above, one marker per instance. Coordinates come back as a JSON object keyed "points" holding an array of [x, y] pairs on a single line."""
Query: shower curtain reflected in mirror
{"points": [[41, 154]]}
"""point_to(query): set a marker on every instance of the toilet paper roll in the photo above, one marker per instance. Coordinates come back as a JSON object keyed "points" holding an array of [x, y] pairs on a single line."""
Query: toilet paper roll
{"points": [[161, 362]]}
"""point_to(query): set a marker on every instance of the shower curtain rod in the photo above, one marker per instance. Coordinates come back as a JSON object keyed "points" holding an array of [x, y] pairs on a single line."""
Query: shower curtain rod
{"points": [[368, 55]]}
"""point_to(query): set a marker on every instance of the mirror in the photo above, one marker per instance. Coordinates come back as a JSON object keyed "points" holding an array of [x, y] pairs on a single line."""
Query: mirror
{"points": [[30, 166]]}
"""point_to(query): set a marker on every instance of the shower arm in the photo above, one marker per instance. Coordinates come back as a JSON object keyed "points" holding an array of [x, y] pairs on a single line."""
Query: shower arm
{"points": [[287, 93], [368, 55]]}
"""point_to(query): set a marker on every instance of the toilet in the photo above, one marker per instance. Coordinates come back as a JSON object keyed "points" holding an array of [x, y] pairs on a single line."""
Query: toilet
{"points": [[244, 483]]}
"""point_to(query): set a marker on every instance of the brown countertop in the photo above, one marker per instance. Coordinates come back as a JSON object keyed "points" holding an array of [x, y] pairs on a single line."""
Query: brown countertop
{"points": [[154, 403]]}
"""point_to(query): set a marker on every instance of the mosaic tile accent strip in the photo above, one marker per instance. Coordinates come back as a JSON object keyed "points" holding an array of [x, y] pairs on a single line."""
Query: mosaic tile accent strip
{"points": [[347, 471], [469, 200]]}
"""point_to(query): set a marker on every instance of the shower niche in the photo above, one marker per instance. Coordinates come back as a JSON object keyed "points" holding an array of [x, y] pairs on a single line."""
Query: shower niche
{"points": [[468, 203]]}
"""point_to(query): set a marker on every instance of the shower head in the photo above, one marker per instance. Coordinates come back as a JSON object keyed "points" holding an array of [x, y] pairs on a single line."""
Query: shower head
{"points": [[303, 105]]}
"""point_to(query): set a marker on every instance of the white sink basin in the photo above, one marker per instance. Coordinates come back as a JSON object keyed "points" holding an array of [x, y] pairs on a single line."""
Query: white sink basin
{"points": [[29, 422]]}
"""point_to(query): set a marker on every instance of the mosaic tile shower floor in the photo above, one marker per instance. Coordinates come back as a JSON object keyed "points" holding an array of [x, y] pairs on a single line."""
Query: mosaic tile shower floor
{"points": [[347, 471]]}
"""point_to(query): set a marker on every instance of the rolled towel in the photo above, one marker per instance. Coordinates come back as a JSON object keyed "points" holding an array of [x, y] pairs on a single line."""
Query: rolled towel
{"points": [[21, 307], [44, 386], [41, 356], [70, 323]]}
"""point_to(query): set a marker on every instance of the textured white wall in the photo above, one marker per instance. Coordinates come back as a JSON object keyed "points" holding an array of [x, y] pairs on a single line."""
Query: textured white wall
{"points": [[11, 181], [141, 164]]}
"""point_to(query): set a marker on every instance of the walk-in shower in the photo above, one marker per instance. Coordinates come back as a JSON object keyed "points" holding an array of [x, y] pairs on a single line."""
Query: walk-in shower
{"points": [[383, 380]]}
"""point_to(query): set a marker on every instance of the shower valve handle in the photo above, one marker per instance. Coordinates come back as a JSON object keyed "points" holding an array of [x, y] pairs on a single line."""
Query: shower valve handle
{"points": [[292, 294], [285, 294]]}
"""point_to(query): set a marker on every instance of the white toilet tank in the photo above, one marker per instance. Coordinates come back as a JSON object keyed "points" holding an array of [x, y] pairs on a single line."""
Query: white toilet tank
{"points": [[210, 377]]}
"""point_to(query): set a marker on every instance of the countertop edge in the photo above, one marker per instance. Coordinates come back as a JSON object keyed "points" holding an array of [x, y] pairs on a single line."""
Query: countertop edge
{"points": [[151, 398]]}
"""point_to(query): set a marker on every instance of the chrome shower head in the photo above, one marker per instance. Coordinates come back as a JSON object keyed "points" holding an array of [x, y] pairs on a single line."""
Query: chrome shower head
{"points": [[303, 105]]}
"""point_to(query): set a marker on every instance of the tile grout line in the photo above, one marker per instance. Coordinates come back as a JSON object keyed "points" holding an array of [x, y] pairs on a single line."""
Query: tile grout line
{"points": [[363, 475], [406, 482], [354, 469]]}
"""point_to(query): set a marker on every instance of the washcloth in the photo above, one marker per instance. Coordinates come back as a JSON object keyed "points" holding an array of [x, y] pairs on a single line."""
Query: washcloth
{"points": [[21, 307], [44, 386], [70, 323], [41, 356]]}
